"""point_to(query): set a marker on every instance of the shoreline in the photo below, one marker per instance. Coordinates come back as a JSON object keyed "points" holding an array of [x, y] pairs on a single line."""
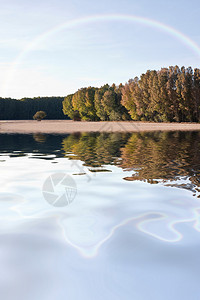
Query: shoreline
{"points": [[69, 126]]}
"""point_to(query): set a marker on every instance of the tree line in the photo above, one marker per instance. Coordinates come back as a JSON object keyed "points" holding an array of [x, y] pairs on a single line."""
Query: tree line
{"points": [[168, 95], [25, 109]]}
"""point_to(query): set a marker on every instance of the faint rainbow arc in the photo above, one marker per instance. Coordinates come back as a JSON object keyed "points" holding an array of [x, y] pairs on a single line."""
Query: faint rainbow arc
{"points": [[99, 18]]}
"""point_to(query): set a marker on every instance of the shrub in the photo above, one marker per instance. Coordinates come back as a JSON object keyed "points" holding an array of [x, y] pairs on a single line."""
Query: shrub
{"points": [[39, 115]]}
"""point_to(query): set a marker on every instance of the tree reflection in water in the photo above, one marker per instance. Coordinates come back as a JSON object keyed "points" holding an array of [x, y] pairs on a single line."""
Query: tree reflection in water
{"points": [[154, 157]]}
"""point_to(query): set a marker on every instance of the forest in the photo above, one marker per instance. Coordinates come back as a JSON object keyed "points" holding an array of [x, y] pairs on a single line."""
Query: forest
{"points": [[25, 109], [167, 95]]}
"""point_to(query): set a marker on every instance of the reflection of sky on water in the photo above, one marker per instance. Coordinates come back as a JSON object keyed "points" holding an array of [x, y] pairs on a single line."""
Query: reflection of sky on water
{"points": [[103, 204], [115, 238]]}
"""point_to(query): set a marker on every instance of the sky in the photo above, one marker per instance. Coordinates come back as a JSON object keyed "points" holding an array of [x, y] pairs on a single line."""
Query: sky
{"points": [[55, 47]]}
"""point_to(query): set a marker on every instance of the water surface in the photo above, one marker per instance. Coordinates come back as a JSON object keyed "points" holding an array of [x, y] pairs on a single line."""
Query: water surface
{"points": [[131, 232]]}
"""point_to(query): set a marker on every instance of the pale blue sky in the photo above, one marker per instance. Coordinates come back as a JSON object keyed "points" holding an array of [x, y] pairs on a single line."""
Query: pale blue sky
{"points": [[91, 53]]}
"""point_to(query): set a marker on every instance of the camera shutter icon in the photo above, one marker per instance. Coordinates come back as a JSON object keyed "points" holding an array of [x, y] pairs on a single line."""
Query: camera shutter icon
{"points": [[59, 189]]}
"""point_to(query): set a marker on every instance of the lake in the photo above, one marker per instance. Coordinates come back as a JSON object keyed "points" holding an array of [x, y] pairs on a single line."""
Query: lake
{"points": [[100, 216]]}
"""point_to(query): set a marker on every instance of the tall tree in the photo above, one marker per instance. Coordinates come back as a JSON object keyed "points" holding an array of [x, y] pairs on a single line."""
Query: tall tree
{"points": [[68, 107]]}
